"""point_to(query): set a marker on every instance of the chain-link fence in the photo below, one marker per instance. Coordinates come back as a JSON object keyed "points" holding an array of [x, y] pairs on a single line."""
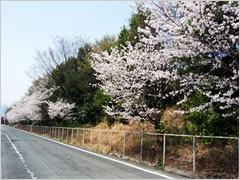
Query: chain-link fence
{"points": [[202, 156]]}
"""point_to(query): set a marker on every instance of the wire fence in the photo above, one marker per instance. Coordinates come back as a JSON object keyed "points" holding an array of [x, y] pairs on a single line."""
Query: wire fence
{"points": [[209, 156]]}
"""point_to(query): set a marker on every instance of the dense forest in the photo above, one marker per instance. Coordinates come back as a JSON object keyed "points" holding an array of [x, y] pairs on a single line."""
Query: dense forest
{"points": [[172, 62]]}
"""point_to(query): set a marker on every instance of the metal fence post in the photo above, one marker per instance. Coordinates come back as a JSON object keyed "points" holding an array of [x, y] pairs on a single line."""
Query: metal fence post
{"points": [[67, 134], [110, 140], [77, 135], [164, 149], [91, 137], [124, 141], [72, 135], [100, 136], [62, 132], [83, 136], [141, 140], [194, 154]]}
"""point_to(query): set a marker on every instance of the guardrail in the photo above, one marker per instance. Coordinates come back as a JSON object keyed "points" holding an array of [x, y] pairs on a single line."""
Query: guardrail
{"points": [[157, 145]]}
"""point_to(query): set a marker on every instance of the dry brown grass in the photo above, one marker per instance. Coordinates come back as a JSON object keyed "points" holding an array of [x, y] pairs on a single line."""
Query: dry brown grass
{"points": [[132, 140], [218, 161], [101, 140], [172, 121], [133, 125]]}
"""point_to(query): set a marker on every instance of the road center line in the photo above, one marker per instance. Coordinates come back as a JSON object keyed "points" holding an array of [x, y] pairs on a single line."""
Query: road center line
{"points": [[22, 159], [111, 159]]}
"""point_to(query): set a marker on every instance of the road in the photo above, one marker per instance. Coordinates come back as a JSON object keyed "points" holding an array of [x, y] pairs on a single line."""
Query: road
{"points": [[26, 156]]}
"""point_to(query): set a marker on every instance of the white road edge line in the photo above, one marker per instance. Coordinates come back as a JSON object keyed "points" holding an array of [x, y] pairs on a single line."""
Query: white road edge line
{"points": [[89, 152], [22, 159]]}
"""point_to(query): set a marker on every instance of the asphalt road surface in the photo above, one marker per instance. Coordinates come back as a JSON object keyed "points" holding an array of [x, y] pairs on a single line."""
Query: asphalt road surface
{"points": [[26, 156]]}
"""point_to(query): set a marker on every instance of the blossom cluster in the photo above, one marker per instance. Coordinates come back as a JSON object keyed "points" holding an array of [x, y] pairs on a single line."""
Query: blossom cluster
{"points": [[145, 71], [61, 108], [29, 107]]}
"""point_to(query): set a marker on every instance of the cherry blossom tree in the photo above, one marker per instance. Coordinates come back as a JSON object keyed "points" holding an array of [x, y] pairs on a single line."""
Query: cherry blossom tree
{"points": [[209, 30], [26, 109], [15, 114], [137, 81], [143, 78], [61, 109], [29, 107]]}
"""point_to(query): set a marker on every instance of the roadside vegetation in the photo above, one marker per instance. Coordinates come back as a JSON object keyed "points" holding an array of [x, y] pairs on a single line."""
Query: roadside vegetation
{"points": [[174, 68], [150, 69]]}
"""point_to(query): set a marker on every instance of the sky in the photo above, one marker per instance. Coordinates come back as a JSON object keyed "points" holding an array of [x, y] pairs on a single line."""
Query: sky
{"points": [[30, 26]]}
